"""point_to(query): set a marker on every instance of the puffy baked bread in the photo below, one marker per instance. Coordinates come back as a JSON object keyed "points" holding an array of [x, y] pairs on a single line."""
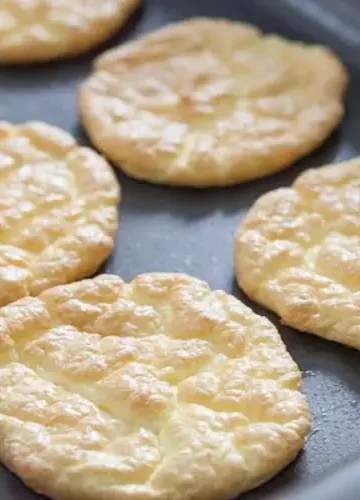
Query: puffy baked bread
{"points": [[211, 103], [298, 252], [58, 209], [42, 30], [159, 389]]}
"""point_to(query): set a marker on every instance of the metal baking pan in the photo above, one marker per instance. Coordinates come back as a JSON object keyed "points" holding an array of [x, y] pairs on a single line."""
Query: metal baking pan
{"points": [[191, 231]]}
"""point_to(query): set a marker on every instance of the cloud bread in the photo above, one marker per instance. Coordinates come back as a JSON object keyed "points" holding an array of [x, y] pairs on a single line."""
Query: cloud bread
{"points": [[298, 252], [41, 30], [211, 103], [58, 209], [157, 389]]}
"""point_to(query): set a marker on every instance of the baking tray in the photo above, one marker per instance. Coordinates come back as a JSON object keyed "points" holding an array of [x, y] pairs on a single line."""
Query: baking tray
{"points": [[191, 231]]}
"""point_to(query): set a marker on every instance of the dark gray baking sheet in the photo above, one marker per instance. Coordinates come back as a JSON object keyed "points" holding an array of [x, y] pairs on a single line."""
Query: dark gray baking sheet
{"points": [[191, 231]]}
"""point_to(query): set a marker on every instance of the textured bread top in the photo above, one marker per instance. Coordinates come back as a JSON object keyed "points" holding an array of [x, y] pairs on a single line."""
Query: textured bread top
{"points": [[157, 389], [40, 30], [298, 252], [58, 209], [211, 102]]}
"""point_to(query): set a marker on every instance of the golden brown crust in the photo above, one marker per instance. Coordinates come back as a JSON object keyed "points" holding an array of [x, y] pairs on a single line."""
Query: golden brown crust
{"points": [[211, 102], [58, 209], [298, 252], [159, 389], [42, 30]]}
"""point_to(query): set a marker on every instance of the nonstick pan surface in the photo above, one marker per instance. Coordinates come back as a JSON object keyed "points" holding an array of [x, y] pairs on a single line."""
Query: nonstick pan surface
{"points": [[191, 231]]}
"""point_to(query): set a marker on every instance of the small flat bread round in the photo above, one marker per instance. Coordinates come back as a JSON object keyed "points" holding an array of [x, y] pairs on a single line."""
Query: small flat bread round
{"points": [[211, 103], [298, 252], [58, 209], [160, 389], [41, 30]]}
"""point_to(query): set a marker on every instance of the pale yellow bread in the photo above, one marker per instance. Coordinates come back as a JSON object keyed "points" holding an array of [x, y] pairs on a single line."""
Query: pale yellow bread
{"points": [[211, 103], [58, 209], [159, 389], [298, 252], [42, 30]]}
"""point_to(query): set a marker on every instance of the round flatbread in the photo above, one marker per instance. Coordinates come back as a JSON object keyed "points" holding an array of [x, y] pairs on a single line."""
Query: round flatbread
{"points": [[211, 103], [41, 30], [160, 389], [298, 252], [58, 209]]}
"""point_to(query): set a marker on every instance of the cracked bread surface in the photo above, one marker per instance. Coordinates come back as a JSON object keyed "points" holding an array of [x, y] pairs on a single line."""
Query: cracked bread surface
{"points": [[58, 209], [298, 252], [34, 31], [157, 389], [211, 102]]}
